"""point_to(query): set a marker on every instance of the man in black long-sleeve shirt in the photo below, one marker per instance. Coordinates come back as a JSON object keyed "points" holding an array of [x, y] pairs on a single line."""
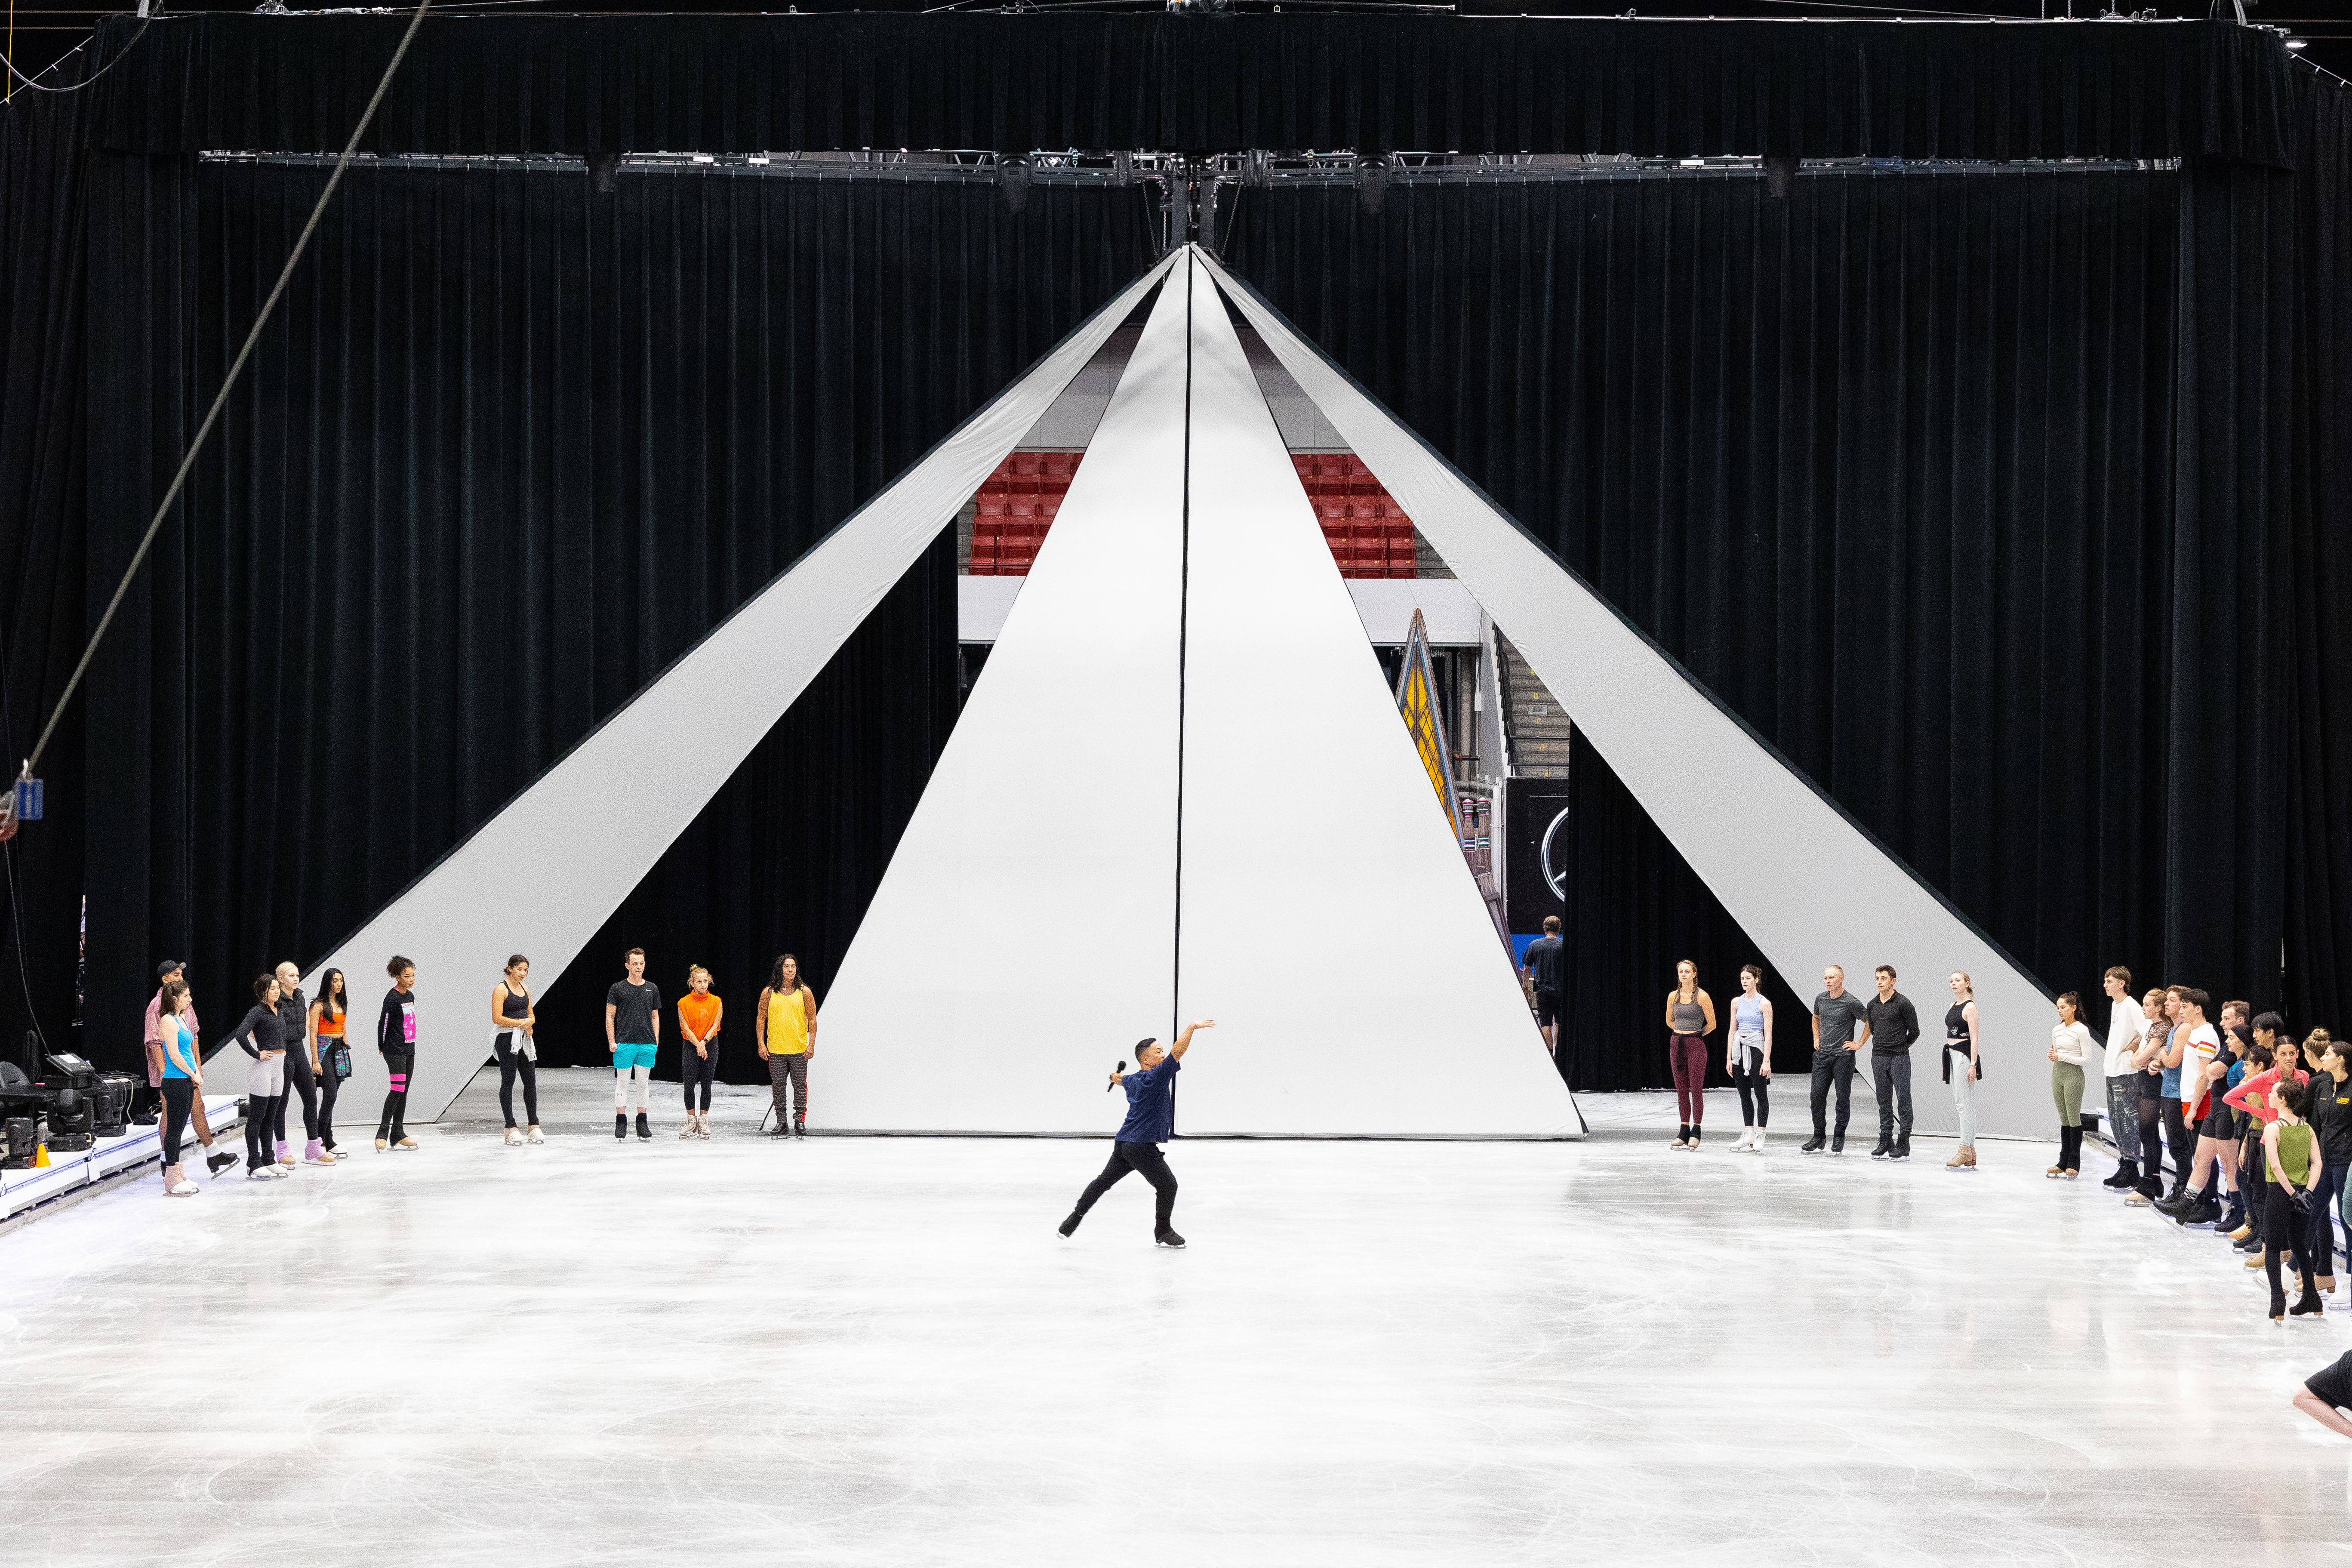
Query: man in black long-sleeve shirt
{"points": [[1894, 1026]]}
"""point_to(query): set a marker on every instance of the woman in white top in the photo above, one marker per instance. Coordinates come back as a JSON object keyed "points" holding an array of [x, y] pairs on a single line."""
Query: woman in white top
{"points": [[1748, 1054], [2070, 1049]]}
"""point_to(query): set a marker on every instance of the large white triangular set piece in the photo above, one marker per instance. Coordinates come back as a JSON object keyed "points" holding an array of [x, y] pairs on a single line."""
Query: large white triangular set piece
{"points": [[1182, 789]]}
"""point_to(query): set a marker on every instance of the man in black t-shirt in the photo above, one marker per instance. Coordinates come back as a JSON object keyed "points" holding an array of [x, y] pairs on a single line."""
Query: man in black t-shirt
{"points": [[1840, 1028], [1543, 975], [1894, 1027], [633, 1031]]}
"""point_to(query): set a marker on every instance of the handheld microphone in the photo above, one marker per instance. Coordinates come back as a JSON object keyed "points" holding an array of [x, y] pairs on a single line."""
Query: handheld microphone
{"points": [[1121, 1067]]}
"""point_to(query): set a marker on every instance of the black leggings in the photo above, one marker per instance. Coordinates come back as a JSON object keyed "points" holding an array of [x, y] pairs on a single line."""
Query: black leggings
{"points": [[693, 1070], [179, 1093], [298, 1080], [1145, 1160], [260, 1143], [2151, 1114], [391, 1125], [514, 1064], [329, 1087], [1754, 1098]]}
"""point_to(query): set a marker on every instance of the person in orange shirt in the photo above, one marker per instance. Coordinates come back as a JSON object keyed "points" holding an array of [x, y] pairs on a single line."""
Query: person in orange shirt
{"points": [[698, 1013]]}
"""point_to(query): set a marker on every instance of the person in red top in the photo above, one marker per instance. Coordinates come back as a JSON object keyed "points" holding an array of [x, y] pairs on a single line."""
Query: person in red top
{"points": [[2255, 1096]]}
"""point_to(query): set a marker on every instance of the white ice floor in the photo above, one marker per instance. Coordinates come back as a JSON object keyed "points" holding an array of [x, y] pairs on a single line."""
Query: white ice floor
{"points": [[876, 1350]]}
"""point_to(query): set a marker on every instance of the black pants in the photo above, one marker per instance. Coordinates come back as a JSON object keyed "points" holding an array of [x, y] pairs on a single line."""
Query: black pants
{"points": [[391, 1125], [513, 1065], [2279, 1232], [694, 1069], [1754, 1098], [1145, 1160], [179, 1093], [1890, 1077], [329, 1087], [2177, 1134], [298, 1080], [1832, 1064]]}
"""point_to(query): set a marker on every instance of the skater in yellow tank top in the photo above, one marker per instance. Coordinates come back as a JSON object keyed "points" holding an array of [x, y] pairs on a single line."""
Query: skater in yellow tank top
{"points": [[786, 1021]]}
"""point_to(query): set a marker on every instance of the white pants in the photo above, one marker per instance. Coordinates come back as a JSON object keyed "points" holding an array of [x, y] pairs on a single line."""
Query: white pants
{"points": [[265, 1080], [637, 1081]]}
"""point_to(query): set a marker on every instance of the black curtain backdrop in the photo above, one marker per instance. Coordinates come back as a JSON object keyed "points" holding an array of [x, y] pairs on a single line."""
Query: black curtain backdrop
{"points": [[43, 471], [2317, 759], [1153, 81], [509, 450], [1889, 465], [2011, 508]]}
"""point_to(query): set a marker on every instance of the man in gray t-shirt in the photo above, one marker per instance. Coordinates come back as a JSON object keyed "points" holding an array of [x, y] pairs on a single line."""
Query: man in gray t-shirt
{"points": [[1840, 1028]]}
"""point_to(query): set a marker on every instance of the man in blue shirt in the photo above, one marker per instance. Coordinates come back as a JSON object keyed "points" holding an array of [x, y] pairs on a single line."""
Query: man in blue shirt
{"points": [[1150, 1121]]}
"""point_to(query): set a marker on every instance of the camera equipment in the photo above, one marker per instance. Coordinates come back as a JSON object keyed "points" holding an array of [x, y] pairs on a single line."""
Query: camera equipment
{"points": [[110, 1104], [70, 1120], [18, 1136]]}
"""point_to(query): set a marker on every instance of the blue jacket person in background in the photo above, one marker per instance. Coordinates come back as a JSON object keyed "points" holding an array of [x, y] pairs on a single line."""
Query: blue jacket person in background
{"points": [[1150, 1121]]}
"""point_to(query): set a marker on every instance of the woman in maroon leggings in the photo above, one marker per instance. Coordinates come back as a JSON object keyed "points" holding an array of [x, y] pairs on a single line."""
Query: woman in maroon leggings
{"points": [[1690, 1015]]}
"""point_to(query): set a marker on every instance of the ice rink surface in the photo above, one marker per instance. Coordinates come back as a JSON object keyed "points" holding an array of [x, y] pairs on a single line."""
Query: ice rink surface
{"points": [[877, 1351]]}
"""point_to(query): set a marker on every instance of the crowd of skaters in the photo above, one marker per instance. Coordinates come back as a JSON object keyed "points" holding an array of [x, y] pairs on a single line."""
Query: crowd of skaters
{"points": [[294, 1048]]}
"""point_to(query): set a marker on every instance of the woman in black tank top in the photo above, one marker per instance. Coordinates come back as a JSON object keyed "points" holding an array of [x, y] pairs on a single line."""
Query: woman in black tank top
{"points": [[515, 1018], [1962, 1068]]}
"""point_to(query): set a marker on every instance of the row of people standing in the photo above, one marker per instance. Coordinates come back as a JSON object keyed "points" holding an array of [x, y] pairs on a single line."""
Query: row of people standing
{"points": [[293, 1050], [1842, 1025], [783, 1034], [2259, 1126], [298, 1048]]}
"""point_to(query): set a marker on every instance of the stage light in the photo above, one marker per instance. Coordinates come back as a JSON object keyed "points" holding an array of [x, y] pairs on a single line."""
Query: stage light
{"points": [[1013, 183], [1779, 174], [2295, 43], [604, 169]]}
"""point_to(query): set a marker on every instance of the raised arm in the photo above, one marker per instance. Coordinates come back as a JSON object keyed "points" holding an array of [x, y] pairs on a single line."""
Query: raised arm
{"points": [[1184, 1039]]}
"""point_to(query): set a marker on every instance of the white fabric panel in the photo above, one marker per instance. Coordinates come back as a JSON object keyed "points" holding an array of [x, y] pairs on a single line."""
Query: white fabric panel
{"points": [[1023, 939], [1802, 880], [1355, 976], [544, 874], [1449, 615]]}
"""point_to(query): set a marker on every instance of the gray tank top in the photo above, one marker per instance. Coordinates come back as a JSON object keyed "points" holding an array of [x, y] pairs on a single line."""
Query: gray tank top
{"points": [[1690, 1018]]}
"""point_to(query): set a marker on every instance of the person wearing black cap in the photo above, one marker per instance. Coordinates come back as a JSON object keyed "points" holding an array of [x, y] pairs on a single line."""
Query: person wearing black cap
{"points": [[1150, 1121], [215, 1160]]}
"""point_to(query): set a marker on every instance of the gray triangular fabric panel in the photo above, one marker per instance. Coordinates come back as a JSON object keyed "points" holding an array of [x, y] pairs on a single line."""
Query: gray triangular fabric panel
{"points": [[588, 830]]}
